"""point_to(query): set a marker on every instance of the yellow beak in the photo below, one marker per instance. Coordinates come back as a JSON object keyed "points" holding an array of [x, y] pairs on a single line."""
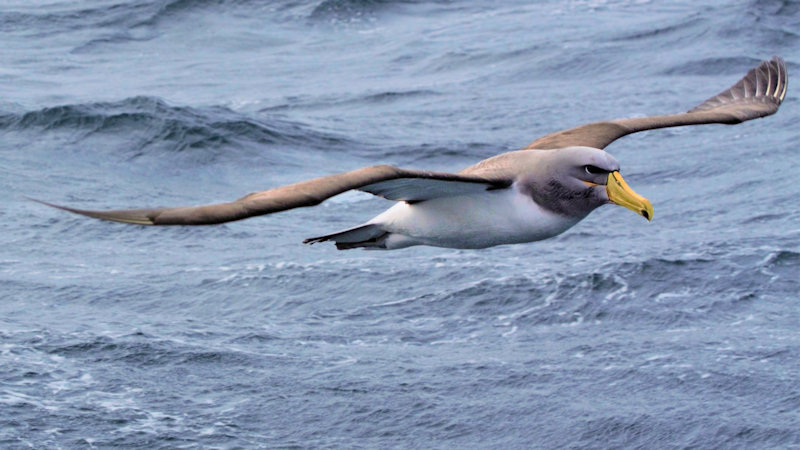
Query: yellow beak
{"points": [[621, 194]]}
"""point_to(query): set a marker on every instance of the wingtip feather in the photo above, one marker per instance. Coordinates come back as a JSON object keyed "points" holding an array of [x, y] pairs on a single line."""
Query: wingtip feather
{"points": [[130, 216], [756, 86]]}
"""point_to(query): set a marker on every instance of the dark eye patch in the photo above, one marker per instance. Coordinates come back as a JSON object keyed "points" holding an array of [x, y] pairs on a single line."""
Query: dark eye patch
{"points": [[594, 170]]}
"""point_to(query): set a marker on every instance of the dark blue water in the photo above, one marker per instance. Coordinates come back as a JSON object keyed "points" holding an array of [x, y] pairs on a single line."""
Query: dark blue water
{"points": [[682, 332]]}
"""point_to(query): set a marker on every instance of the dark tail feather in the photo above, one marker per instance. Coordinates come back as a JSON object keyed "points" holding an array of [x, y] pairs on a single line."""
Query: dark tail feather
{"points": [[368, 236]]}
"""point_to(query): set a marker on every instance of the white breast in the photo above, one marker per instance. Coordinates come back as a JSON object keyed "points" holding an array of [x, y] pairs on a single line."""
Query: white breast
{"points": [[489, 218]]}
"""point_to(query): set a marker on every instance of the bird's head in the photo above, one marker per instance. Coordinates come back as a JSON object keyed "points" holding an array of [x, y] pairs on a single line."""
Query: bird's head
{"points": [[579, 179]]}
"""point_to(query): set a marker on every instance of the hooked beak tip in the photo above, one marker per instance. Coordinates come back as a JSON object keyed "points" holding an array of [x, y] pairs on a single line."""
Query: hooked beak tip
{"points": [[621, 194]]}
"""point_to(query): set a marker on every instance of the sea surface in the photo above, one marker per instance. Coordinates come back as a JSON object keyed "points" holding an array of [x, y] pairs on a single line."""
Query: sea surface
{"points": [[683, 332]]}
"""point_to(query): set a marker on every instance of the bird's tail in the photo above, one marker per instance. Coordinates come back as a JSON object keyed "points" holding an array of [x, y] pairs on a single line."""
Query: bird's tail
{"points": [[369, 236]]}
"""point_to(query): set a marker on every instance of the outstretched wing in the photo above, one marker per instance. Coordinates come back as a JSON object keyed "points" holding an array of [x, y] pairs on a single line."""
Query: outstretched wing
{"points": [[386, 181], [758, 94]]}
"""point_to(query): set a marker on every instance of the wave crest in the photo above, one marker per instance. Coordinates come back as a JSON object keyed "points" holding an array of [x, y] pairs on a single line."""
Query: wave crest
{"points": [[150, 122]]}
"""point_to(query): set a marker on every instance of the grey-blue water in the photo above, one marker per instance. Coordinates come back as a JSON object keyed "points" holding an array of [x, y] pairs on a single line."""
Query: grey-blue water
{"points": [[681, 332]]}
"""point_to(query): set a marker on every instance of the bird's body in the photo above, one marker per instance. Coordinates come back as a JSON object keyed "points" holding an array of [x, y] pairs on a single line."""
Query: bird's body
{"points": [[485, 218], [520, 196], [503, 216]]}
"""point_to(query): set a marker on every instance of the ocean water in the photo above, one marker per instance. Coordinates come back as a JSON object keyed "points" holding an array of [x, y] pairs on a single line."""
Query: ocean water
{"points": [[681, 332]]}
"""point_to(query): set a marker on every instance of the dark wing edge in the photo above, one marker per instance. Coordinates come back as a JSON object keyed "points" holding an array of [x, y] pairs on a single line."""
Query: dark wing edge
{"points": [[306, 193], [758, 94]]}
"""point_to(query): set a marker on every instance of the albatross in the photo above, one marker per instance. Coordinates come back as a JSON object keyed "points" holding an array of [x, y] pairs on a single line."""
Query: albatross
{"points": [[520, 196]]}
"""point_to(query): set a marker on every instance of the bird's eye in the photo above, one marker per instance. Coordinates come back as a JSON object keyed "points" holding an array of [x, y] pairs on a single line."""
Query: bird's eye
{"points": [[594, 170]]}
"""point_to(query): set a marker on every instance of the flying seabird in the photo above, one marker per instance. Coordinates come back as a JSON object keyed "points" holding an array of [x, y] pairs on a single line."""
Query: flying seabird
{"points": [[520, 196]]}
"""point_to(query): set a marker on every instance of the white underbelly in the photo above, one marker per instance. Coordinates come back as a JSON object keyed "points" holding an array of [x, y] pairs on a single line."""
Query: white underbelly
{"points": [[490, 218]]}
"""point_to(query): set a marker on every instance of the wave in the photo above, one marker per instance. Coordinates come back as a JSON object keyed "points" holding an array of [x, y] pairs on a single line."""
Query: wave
{"points": [[350, 10], [669, 292], [111, 23], [143, 350], [49, 21], [446, 156], [150, 122], [104, 16], [712, 283], [372, 98], [140, 19], [675, 31], [714, 66], [456, 60]]}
